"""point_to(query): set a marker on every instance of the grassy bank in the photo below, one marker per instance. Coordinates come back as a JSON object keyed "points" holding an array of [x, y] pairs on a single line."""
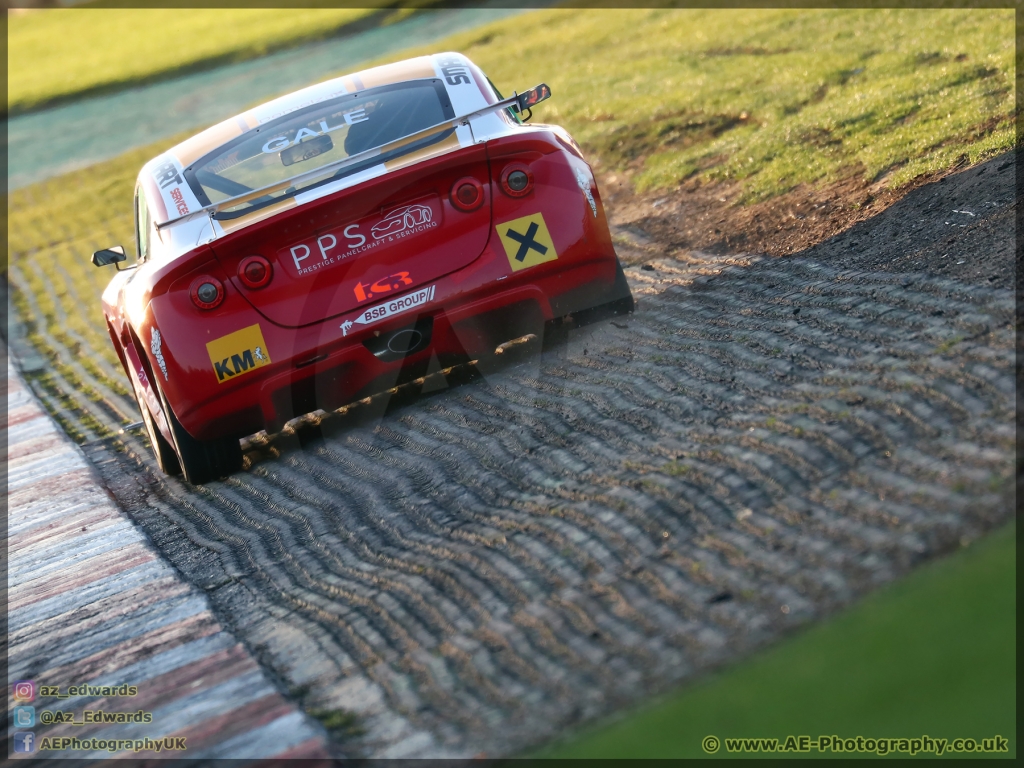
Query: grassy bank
{"points": [[769, 98], [53, 228], [934, 654], [57, 53]]}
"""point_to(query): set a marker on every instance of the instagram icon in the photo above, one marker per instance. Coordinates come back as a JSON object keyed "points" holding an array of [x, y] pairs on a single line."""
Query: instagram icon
{"points": [[24, 690]]}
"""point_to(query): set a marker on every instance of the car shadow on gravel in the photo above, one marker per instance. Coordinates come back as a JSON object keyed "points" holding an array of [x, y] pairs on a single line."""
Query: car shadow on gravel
{"points": [[310, 431]]}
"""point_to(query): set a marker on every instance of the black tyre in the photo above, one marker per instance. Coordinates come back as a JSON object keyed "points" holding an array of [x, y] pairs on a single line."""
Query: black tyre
{"points": [[166, 458], [619, 301], [202, 460], [622, 303]]}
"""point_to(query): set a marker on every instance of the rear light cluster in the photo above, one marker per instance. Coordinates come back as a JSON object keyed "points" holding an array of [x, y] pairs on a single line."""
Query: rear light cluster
{"points": [[255, 272], [516, 180], [467, 194], [206, 292]]}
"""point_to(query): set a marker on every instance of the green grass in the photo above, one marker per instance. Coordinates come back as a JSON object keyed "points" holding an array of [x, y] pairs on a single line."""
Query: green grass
{"points": [[57, 53], [767, 98], [933, 654], [53, 228]]}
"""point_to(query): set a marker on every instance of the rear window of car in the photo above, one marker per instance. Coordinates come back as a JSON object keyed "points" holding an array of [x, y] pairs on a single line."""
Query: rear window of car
{"points": [[316, 136]]}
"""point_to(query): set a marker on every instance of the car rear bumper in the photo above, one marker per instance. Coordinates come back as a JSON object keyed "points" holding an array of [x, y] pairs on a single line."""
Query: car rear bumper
{"points": [[327, 366]]}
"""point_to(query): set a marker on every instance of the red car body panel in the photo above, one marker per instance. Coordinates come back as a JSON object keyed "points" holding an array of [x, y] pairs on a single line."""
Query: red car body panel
{"points": [[321, 251], [389, 261]]}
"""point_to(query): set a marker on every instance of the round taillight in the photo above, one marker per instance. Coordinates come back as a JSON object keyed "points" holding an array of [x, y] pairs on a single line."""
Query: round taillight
{"points": [[516, 180], [255, 272], [467, 194], [206, 292]]}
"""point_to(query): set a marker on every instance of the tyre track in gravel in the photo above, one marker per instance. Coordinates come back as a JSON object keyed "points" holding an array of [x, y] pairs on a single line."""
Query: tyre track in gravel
{"points": [[483, 566]]}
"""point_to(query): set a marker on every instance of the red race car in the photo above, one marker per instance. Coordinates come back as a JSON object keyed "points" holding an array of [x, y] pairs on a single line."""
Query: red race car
{"points": [[330, 243]]}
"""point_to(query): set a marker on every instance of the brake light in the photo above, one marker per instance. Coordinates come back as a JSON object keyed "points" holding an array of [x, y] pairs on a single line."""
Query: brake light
{"points": [[206, 292], [516, 180], [255, 272], [467, 194]]}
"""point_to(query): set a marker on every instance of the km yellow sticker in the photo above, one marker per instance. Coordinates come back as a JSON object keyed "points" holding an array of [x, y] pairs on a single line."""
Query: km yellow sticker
{"points": [[527, 242], [238, 353]]}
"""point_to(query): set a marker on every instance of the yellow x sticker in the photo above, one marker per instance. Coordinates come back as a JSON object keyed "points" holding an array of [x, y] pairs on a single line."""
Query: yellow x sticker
{"points": [[527, 242]]}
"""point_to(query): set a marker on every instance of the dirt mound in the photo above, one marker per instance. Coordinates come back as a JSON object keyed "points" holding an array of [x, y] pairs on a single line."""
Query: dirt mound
{"points": [[934, 213]]}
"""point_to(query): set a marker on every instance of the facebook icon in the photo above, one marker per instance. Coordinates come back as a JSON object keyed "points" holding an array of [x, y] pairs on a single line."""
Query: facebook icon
{"points": [[24, 741]]}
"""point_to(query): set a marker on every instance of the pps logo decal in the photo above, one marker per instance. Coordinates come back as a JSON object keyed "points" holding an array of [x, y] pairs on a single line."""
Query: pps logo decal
{"points": [[527, 242], [238, 353], [403, 220], [335, 246]]}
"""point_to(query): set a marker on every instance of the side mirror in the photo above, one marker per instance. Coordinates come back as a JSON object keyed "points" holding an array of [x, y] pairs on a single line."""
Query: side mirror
{"points": [[107, 256], [536, 95]]}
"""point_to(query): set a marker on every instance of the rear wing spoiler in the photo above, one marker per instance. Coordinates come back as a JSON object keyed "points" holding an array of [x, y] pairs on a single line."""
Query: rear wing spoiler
{"points": [[518, 101]]}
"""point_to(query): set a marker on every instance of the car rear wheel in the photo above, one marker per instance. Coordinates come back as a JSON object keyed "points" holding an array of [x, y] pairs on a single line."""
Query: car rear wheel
{"points": [[202, 460], [166, 458], [618, 301]]}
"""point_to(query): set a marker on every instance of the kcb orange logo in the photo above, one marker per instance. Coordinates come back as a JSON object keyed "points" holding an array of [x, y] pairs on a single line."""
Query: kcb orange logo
{"points": [[384, 285]]}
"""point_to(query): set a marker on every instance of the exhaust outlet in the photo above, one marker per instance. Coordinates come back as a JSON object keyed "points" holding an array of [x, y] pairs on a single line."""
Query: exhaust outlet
{"points": [[403, 342], [400, 343]]}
